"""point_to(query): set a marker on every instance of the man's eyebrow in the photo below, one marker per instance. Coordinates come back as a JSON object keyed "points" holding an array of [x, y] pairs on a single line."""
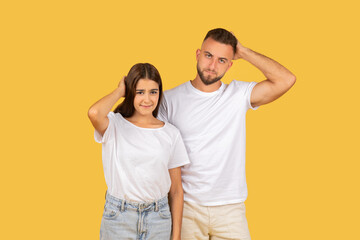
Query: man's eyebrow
{"points": [[222, 58]]}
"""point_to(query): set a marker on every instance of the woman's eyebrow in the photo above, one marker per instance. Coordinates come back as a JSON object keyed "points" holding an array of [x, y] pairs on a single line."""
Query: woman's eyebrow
{"points": [[150, 89]]}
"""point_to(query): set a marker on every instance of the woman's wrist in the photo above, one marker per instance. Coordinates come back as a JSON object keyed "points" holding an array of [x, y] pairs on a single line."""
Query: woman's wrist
{"points": [[120, 92]]}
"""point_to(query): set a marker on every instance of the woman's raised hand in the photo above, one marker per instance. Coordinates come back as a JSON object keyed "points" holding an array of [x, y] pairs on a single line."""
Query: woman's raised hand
{"points": [[122, 86]]}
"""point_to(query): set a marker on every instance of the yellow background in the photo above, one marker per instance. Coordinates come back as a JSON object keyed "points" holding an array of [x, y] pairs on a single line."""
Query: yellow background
{"points": [[59, 57]]}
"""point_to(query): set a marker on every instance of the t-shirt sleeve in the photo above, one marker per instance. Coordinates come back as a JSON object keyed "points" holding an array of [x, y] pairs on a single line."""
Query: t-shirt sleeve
{"points": [[109, 132], [245, 90], [249, 90], [163, 110], [179, 156]]}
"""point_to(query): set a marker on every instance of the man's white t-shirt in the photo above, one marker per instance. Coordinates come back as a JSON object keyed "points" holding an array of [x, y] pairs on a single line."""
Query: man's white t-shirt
{"points": [[136, 160], [213, 129]]}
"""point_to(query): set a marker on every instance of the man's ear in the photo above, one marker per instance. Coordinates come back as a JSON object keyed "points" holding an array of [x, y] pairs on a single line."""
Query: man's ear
{"points": [[197, 54], [230, 64]]}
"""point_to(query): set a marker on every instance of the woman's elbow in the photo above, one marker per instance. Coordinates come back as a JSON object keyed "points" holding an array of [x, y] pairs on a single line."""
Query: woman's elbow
{"points": [[177, 192], [92, 113]]}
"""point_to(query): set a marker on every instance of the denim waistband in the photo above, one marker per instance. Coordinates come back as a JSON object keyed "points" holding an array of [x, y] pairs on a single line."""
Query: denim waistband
{"points": [[141, 206]]}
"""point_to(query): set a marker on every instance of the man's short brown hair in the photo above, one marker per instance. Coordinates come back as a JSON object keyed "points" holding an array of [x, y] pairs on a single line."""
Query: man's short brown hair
{"points": [[222, 36]]}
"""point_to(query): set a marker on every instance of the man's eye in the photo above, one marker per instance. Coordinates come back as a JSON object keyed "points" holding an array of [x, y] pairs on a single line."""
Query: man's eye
{"points": [[208, 55], [222, 61]]}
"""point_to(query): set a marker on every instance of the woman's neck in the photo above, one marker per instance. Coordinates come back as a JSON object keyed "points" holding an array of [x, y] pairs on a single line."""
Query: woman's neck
{"points": [[145, 120]]}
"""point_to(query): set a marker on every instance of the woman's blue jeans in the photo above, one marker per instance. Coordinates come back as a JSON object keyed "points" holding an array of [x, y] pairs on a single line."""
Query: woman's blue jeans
{"points": [[131, 220]]}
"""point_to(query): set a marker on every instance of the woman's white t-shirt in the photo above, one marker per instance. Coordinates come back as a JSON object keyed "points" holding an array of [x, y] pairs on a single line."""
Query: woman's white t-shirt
{"points": [[136, 160]]}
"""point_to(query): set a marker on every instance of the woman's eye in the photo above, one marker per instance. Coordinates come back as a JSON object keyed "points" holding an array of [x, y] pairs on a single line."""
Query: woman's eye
{"points": [[139, 92], [154, 92]]}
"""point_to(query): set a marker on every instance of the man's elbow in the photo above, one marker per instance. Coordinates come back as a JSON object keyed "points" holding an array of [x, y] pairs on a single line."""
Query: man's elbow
{"points": [[292, 79], [289, 81]]}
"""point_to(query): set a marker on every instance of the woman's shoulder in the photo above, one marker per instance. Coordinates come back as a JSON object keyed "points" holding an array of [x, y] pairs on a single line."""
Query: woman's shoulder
{"points": [[171, 128], [114, 115], [116, 118]]}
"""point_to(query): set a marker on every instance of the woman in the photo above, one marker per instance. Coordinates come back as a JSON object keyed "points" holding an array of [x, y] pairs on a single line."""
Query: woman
{"points": [[142, 157]]}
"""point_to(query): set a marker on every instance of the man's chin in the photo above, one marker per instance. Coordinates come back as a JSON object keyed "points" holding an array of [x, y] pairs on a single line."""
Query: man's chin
{"points": [[209, 81]]}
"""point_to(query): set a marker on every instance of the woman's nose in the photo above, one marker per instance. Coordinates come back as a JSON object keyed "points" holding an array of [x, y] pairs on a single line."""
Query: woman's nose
{"points": [[147, 97]]}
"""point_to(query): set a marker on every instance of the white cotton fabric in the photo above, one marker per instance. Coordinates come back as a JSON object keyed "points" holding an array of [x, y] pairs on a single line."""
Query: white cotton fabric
{"points": [[136, 160], [213, 129]]}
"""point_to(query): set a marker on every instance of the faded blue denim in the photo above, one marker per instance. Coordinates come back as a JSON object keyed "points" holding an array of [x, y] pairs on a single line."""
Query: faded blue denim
{"points": [[124, 220]]}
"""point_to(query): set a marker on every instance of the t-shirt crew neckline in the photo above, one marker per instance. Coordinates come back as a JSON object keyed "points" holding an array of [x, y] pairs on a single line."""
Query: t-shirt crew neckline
{"points": [[142, 128], [191, 87]]}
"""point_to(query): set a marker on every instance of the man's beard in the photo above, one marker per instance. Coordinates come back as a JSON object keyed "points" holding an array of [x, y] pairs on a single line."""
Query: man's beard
{"points": [[207, 80]]}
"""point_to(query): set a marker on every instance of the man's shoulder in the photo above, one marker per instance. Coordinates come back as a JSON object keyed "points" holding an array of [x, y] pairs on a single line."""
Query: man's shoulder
{"points": [[238, 83], [176, 89], [241, 87]]}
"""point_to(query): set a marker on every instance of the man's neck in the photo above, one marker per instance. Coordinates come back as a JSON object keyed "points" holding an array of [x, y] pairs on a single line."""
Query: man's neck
{"points": [[198, 84]]}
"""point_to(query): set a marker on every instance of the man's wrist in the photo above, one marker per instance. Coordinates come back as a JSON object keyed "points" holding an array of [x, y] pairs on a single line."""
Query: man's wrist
{"points": [[242, 52]]}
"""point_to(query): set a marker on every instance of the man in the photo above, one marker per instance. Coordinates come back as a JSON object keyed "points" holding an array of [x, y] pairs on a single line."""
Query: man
{"points": [[211, 119]]}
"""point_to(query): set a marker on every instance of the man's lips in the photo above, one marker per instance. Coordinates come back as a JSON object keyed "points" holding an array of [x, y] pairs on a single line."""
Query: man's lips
{"points": [[210, 72]]}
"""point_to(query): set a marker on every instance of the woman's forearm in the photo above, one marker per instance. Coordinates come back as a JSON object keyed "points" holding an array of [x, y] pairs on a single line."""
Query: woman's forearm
{"points": [[101, 108], [98, 111], [176, 200]]}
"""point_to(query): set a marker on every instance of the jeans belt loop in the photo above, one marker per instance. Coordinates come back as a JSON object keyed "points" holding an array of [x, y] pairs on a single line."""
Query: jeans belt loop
{"points": [[156, 206], [122, 205]]}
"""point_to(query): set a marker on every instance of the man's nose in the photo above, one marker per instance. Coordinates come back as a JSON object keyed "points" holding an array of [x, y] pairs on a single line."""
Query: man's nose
{"points": [[212, 65]]}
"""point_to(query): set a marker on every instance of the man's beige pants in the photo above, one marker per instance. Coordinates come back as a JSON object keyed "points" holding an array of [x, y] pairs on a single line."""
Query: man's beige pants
{"points": [[214, 222]]}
